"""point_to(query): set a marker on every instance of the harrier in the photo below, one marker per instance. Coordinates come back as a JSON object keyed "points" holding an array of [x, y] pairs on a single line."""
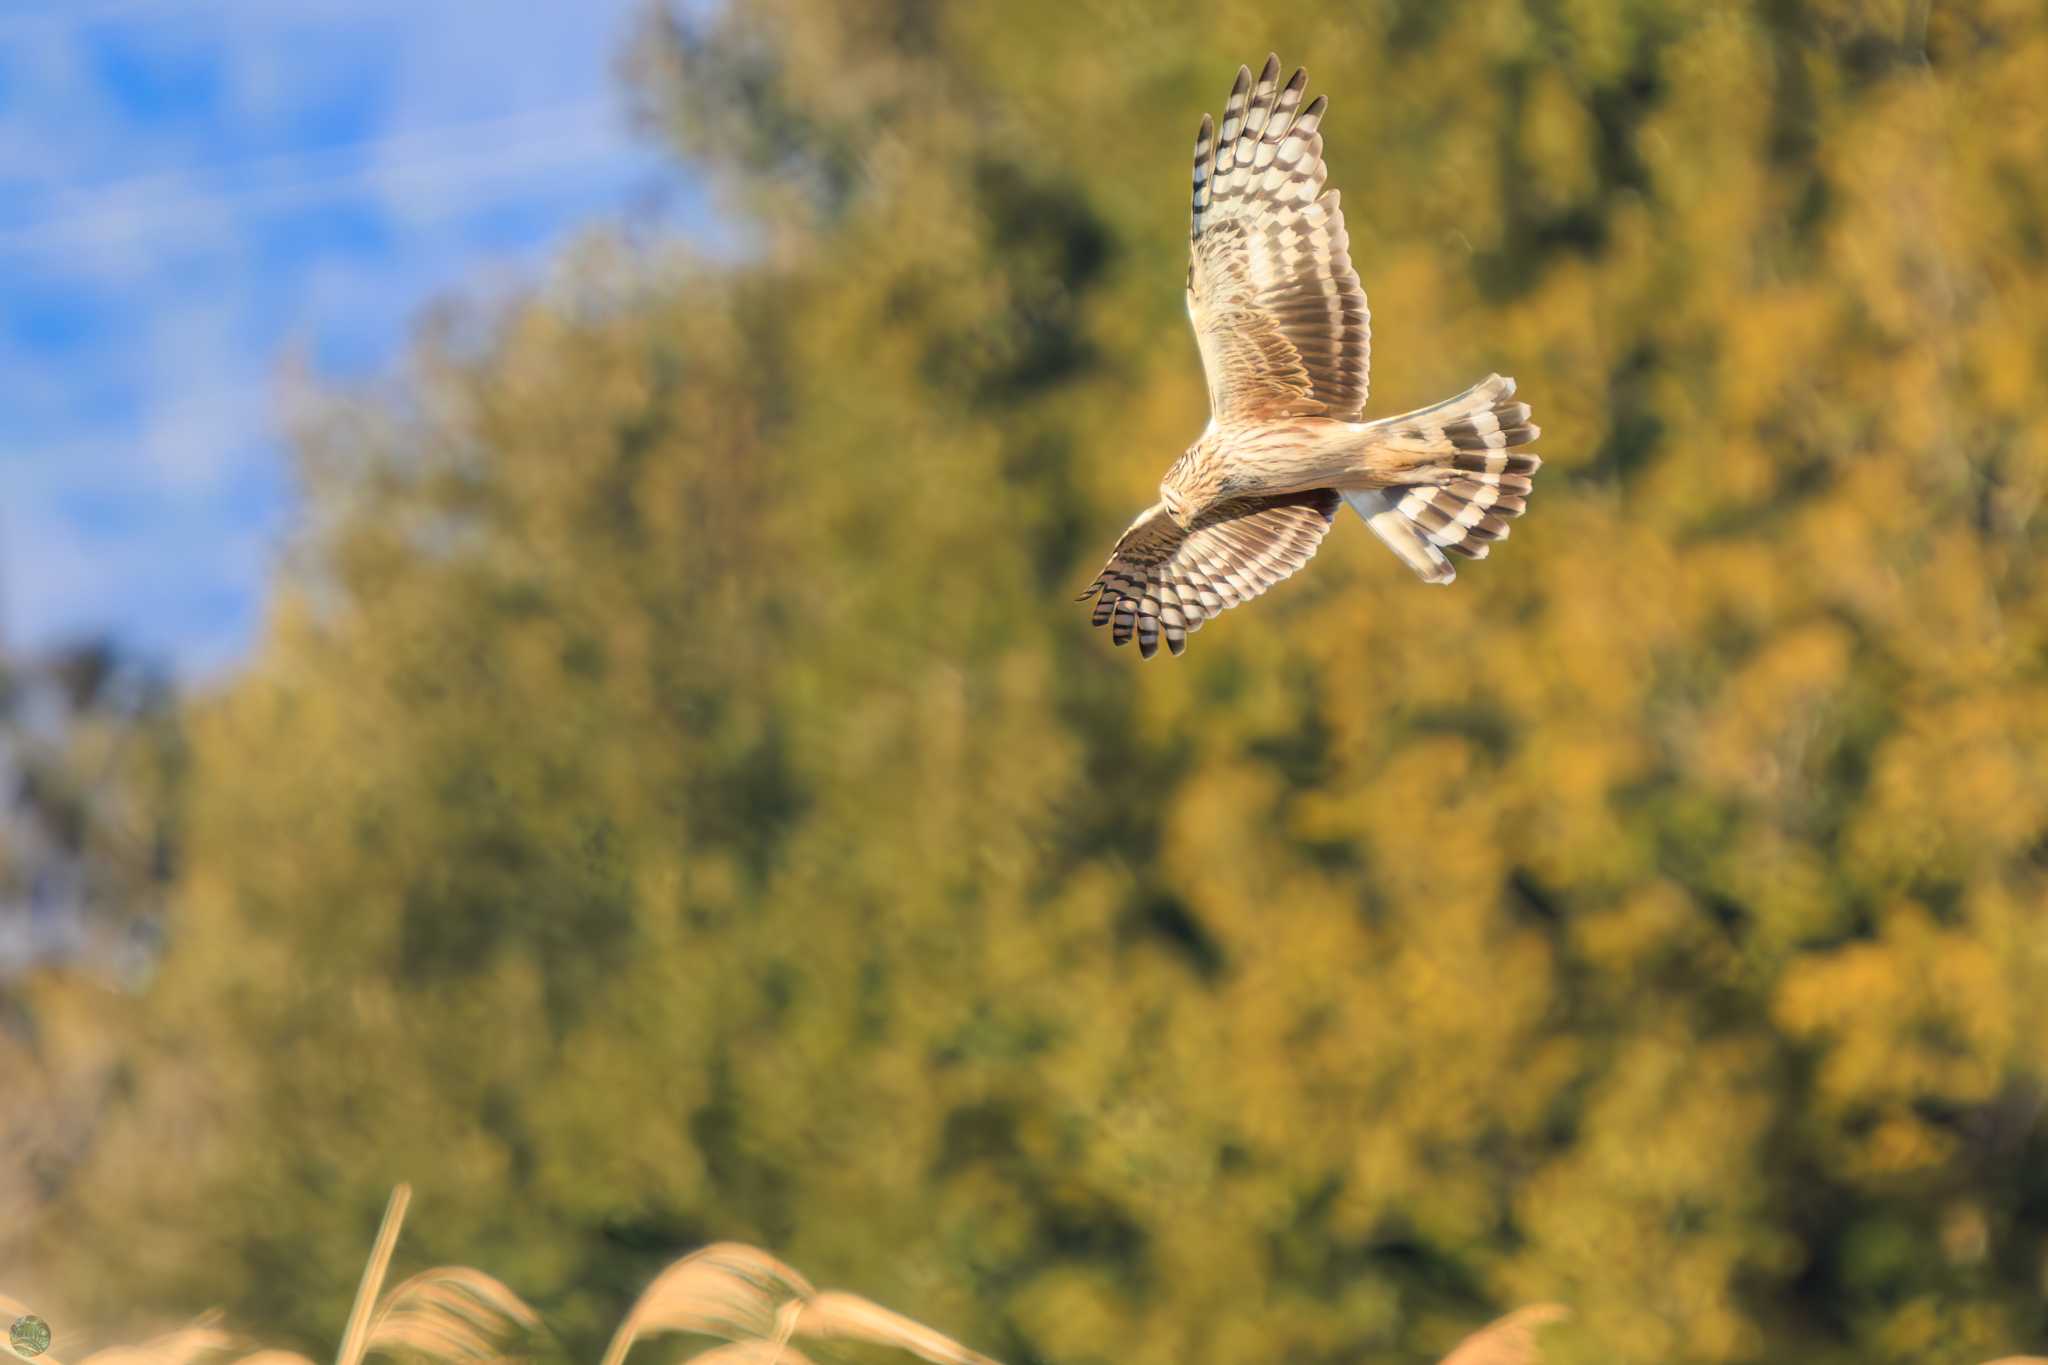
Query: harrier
{"points": [[1286, 341]]}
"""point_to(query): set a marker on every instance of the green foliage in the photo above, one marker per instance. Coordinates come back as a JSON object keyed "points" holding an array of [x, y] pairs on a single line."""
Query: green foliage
{"points": [[90, 760], [678, 801]]}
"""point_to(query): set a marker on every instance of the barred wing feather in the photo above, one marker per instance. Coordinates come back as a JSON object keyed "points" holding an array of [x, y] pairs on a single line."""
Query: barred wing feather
{"points": [[1278, 312], [1162, 582]]}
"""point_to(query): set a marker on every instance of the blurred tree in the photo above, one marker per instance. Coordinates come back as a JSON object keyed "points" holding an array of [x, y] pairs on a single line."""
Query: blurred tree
{"points": [[90, 765], [89, 759], [677, 800]]}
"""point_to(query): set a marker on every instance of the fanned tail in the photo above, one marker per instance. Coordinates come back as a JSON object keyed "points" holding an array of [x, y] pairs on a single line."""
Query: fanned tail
{"points": [[1473, 481]]}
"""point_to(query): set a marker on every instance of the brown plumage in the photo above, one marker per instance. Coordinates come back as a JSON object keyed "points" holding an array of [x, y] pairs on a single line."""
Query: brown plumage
{"points": [[1286, 343]]}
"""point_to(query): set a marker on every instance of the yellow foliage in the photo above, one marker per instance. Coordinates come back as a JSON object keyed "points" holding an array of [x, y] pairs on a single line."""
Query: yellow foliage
{"points": [[675, 799]]}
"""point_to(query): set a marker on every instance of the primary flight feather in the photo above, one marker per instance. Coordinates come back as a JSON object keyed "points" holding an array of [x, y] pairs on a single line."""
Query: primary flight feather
{"points": [[1286, 342]]}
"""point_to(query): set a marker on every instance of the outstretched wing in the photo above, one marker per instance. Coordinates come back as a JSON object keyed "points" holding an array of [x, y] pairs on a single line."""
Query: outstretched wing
{"points": [[1162, 580], [1278, 311]]}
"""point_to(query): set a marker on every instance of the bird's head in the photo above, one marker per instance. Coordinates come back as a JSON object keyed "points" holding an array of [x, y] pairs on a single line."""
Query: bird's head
{"points": [[1177, 507]]}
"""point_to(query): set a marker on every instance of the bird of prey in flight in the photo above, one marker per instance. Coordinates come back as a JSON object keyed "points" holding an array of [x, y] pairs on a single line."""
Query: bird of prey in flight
{"points": [[1286, 342]]}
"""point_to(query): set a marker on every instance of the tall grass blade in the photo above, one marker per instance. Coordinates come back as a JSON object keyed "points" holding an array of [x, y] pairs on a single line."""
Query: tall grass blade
{"points": [[202, 1337], [356, 1339], [835, 1315], [453, 1314], [726, 1290], [752, 1353], [1510, 1340]]}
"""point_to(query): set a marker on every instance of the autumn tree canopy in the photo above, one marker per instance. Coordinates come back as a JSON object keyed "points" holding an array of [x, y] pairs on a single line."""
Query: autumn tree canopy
{"points": [[676, 798]]}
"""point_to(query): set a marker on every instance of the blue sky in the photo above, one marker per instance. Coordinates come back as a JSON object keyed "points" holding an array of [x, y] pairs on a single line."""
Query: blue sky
{"points": [[192, 189]]}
